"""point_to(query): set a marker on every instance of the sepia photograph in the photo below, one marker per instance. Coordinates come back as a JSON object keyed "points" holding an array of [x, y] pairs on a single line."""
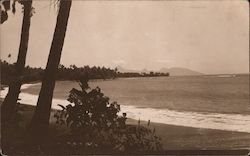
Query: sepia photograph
{"points": [[124, 77]]}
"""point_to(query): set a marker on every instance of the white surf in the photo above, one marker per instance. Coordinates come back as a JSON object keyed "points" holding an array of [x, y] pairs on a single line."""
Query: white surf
{"points": [[218, 121]]}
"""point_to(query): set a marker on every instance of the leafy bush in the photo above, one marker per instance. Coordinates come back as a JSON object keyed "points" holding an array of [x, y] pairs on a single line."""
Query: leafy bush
{"points": [[94, 124]]}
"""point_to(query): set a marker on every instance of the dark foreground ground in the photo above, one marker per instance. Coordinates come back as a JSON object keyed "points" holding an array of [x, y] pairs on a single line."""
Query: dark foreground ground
{"points": [[176, 137]]}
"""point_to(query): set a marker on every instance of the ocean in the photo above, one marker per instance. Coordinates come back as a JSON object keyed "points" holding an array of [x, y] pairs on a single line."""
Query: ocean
{"points": [[212, 102]]}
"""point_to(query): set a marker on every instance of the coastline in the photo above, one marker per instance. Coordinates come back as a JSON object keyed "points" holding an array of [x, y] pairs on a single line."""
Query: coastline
{"points": [[173, 137], [188, 138], [216, 121], [202, 102]]}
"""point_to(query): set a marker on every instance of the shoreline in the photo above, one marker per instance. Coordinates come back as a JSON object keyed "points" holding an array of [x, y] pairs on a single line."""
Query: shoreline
{"points": [[33, 89], [214, 121], [173, 137]]}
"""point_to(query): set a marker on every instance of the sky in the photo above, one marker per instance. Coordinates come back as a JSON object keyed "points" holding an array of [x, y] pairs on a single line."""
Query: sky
{"points": [[211, 37]]}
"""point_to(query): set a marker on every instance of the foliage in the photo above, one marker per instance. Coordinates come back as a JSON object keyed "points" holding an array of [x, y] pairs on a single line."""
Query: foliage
{"points": [[29, 74], [95, 124], [70, 73], [143, 74], [75, 73], [5, 7], [64, 73], [90, 109]]}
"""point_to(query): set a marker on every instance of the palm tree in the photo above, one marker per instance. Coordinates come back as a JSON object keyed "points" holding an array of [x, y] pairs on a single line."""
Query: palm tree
{"points": [[3, 11], [40, 120], [14, 87]]}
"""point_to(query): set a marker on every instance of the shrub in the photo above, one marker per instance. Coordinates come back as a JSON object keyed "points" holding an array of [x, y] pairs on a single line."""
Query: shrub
{"points": [[94, 124]]}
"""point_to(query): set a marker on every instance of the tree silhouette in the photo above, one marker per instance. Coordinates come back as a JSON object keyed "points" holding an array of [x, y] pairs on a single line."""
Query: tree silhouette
{"points": [[40, 120], [10, 100], [3, 11]]}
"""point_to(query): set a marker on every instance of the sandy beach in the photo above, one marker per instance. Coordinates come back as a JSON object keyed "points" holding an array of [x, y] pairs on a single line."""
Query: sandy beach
{"points": [[173, 137]]}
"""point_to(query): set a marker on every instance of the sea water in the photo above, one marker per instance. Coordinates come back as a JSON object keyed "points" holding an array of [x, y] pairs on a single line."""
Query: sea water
{"points": [[212, 102]]}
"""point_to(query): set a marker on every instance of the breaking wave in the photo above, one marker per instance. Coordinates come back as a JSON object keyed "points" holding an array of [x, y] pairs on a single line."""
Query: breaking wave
{"points": [[218, 121]]}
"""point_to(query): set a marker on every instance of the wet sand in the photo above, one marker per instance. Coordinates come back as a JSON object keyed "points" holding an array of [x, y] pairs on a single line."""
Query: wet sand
{"points": [[174, 137]]}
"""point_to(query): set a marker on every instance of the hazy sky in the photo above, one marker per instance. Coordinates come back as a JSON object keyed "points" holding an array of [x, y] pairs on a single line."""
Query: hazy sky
{"points": [[208, 36]]}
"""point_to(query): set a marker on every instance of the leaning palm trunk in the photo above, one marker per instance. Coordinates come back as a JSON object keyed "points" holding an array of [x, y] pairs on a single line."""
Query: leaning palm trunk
{"points": [[40, 120], [10, 100]]}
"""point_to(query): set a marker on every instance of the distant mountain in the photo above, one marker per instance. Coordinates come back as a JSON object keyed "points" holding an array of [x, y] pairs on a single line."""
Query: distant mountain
{"points": [[175, 71]]}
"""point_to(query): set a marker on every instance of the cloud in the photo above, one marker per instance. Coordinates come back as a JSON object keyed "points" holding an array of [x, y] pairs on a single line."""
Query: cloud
{"points": [[118, 62]]}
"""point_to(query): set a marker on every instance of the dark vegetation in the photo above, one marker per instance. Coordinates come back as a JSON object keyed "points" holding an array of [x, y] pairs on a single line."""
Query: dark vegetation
{"points": [[93, 121], [92, 124], [150, 74], [40, 120], [31, 74], [15, 82]]}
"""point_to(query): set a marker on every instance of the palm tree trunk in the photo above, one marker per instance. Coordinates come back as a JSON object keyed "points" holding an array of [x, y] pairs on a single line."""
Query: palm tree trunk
{"points": [[10, 100], [40, 120]]}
